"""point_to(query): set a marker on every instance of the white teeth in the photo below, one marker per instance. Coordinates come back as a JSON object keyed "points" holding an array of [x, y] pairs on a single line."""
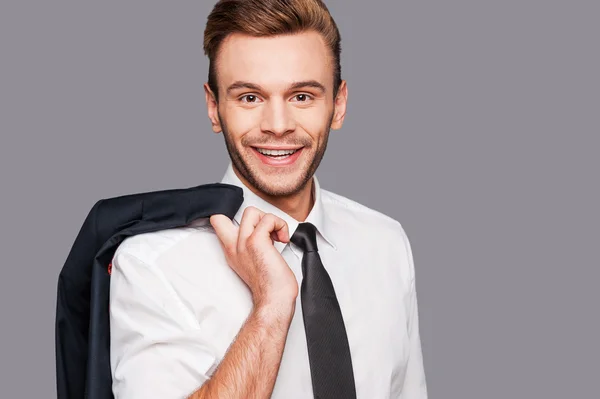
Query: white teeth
{"points": [[275, 152]]}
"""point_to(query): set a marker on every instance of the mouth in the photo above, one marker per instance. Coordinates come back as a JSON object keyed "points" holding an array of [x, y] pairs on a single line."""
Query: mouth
{"points": [[278, 156]]}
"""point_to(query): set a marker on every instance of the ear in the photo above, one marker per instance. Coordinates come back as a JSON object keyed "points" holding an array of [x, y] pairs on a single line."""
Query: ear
{"points": [[213, 108], [340, 106]]}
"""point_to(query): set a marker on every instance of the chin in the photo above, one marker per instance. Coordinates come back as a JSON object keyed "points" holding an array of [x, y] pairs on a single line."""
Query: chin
{"points": [[278, 183], [272, 181], [275, 187]]}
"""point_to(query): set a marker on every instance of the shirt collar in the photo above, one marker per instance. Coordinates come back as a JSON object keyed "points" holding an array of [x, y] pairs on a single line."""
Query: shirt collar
{"points": [[316, 216]]}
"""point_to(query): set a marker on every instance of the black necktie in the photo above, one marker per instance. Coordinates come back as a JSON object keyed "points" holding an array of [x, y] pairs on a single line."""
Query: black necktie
{"points": [[328, 350]]}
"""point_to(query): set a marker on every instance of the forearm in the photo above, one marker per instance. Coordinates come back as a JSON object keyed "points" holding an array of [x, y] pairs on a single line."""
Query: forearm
{"points": [[251, 364]]}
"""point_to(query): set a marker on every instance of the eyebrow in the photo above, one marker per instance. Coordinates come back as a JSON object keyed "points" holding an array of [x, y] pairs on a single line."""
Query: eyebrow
{"points": [[298, 85]]}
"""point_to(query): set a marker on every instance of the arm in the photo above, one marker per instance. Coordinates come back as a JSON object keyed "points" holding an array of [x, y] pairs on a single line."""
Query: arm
{"points": [[415, 386], [158, 350], [250, 367], [157, 345], [252, 362]]}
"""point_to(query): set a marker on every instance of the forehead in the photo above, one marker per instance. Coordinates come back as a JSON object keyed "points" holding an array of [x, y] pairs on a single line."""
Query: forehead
{"points": [[274, 61]]}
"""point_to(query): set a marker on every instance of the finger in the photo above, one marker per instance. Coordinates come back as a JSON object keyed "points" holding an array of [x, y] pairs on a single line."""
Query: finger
{"points": [[250, 218], [279, 235], [270, 224], [225, 229]]}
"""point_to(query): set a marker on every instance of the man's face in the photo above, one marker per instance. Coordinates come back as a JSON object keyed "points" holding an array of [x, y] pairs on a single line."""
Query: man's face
{"points": [[276, 93]]}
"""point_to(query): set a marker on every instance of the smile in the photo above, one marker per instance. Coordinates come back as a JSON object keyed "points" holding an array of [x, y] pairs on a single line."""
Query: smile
{"points": [[279, 156]]}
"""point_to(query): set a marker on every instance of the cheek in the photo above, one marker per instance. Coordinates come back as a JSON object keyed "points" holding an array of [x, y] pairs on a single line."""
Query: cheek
{"points": [[240, 122], [313, 121]]}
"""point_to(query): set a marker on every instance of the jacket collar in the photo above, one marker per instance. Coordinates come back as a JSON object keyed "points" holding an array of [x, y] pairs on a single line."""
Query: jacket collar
{"points": [[317, 215]]}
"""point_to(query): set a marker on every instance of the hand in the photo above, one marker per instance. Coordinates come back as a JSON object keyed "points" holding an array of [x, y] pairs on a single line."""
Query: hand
{"points": [[250, 252]]}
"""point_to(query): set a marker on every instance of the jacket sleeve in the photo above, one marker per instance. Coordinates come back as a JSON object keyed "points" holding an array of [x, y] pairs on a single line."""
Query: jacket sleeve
{"points": [[157, 351], [72, 311]]}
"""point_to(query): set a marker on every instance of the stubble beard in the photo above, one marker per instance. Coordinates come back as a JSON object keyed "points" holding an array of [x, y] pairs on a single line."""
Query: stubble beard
{"points": [[251, 176]]}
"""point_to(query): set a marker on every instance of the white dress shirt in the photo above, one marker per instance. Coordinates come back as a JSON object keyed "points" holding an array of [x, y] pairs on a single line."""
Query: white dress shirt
{"points": [[176, 306]]}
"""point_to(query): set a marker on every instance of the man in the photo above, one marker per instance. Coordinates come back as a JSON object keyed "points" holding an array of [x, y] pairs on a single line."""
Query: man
{"points": [[215, 309]]}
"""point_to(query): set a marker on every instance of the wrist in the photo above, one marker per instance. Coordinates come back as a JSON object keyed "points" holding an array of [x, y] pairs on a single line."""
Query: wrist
{"points": [[275, 310]]}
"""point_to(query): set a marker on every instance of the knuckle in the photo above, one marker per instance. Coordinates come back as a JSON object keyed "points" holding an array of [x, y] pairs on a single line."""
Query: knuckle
{"points": [[272, 219], [268, 218], [250, 210], [246, 212]]}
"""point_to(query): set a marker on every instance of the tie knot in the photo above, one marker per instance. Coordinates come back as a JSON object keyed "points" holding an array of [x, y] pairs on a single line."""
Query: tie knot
{"points": [[305, 237]]}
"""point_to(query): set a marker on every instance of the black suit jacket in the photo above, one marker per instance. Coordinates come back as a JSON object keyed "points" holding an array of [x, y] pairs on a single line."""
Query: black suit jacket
{"points": [[82, 319]]}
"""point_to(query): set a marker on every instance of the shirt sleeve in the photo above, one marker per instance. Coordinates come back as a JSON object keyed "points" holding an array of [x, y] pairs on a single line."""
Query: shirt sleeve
{"points": [[415, 386], [157, 349]]}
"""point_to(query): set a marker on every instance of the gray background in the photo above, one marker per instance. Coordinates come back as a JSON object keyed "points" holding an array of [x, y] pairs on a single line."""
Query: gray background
{"points": [[474, 123]]}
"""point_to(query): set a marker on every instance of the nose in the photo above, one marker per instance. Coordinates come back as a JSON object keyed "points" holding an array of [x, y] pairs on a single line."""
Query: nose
{"points": [[277, 119]]}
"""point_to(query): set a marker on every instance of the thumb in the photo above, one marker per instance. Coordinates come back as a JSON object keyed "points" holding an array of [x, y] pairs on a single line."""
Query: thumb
{"points": [[225, 229]]}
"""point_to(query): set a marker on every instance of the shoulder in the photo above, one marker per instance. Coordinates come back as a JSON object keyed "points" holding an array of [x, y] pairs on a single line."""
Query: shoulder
{"points": [[354, 215], [147, 248], [375, 232]]}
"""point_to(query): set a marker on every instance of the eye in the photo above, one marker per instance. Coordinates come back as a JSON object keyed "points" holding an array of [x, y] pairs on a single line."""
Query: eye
{"points": [[303, 97], [250, 98]]}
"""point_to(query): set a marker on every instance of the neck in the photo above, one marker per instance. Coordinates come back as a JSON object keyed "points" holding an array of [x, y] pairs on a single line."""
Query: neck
{"points": [[296, 205]]}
